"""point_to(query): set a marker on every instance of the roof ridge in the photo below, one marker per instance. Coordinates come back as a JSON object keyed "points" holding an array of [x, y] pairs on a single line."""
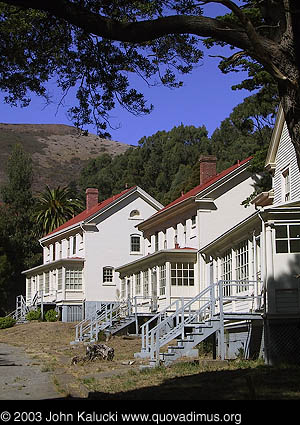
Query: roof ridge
{"points": [[86, 213], [197, 189]]}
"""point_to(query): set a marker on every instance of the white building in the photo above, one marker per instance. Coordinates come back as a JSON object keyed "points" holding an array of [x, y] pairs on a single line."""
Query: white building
{"points": [[171, 268], [79, 257], [265, 247]]}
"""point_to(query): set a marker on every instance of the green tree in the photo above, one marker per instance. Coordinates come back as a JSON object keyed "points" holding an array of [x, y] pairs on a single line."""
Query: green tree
{"points": [[19, 248], [54, 207], [94, 45], [158, 164]]}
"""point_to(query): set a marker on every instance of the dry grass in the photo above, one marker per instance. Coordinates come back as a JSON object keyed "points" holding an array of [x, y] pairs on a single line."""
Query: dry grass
{"points": [[48, 344]]}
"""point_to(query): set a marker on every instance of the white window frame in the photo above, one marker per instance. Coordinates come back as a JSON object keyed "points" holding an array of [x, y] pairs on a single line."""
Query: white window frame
{"points": [[156, 241], [146, 283], [47, 282], [182, 274], [123, 288], [108, 275], [242, 265], [288, 238], [286, 184], [162, 279], [73, 279], [226, 271], [59, 279], [138, 287], [134, 244]]}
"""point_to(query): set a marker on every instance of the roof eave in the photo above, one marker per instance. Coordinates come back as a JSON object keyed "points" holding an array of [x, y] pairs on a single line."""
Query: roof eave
{"points": [[53, 264], [163, 254]]}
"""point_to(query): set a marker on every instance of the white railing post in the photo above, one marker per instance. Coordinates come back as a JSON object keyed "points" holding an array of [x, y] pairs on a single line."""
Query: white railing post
{"points": [[212, 300], [182, 317], [221, 331]]}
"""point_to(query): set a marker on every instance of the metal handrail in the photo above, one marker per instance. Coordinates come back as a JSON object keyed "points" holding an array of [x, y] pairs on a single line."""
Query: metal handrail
{"points": [[211, 297]]}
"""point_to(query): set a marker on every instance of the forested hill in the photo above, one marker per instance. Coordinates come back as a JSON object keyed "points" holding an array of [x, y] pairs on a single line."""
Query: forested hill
{"points": [[58, 151], [167, 163]]}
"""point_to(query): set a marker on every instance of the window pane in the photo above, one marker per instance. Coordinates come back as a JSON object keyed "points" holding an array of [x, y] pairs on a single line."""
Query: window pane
{"points": [[295, 231], [281, 246], [281, 232], [295, 245], [135, 244]]}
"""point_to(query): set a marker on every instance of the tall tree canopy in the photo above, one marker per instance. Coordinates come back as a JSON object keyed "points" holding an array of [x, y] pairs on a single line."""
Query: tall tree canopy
{"points": [[160, 164], [54, 207], [95, 44], [19, 248]]}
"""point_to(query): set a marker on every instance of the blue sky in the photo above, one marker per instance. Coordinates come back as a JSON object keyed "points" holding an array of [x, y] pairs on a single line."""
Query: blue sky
{"points": [[206, 98]]}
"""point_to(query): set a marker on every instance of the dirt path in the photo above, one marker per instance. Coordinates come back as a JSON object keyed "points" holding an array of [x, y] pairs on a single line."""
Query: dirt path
{"points": [[20, 379]]}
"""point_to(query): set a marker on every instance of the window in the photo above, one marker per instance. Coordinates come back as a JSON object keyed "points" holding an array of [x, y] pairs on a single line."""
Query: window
{"points": [[165, 245], [74, 279], [47, 283], [74, 245], [135, 243], [134, 213], [59, 279], [287, 238], [194, 220], [162, 280], [29, 288], [182, 274], [242, 265], [226, 271], [68, 247], [123, 288], [108, 274], [138, 283], [41, 282], [54, 251], [156, 242], [146, 282], [286, 185]]}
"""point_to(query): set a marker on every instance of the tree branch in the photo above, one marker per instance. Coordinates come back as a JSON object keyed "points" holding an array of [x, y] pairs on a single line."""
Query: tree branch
{"points": [[137, 32]]}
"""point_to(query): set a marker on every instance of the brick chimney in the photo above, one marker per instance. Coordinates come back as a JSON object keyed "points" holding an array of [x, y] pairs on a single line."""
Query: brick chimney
{"points": [[91, 197], [207, 167]]}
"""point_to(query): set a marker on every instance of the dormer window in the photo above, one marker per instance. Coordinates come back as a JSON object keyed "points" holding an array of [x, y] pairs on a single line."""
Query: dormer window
{"points": [[286, 185], [134, 214]]}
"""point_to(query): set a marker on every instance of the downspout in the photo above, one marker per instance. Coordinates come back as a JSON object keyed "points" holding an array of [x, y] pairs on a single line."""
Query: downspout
{"points": [[84, 307], [264, 274], [263, 260]]}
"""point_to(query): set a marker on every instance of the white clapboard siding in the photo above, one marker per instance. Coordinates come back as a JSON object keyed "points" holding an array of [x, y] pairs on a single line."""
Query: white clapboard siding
{"points": [[286, 157]]}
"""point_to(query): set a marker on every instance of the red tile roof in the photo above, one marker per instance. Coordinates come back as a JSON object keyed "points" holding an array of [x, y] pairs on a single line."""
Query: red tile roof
{"points": [[88, 213], [193, 192]]}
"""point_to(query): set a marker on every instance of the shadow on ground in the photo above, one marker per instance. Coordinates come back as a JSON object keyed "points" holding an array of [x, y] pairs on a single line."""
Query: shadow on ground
{"points": [[263, 383]]}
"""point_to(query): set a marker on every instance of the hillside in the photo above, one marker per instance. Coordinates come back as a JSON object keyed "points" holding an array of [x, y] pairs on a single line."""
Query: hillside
{"points": [[59, 151]]}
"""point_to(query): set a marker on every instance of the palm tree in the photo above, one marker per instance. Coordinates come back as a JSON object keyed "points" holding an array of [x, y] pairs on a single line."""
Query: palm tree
{"points": [[54, 207]]}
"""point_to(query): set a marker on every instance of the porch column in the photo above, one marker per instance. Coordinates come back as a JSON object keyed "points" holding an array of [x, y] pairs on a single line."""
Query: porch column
{"points": [[63, 272], [269, 263], [168, 283]]}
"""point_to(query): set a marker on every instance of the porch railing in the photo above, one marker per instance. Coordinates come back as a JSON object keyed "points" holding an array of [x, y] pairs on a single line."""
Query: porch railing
{"points": [[207, 306]]}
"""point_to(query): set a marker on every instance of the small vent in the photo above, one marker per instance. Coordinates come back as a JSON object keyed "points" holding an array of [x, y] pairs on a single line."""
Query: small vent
{"points": [[287, 300]]}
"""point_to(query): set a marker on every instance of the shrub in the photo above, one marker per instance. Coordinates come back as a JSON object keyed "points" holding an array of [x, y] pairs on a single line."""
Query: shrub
{"points": [[33, 315], [7, 322], [51, 316]]}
